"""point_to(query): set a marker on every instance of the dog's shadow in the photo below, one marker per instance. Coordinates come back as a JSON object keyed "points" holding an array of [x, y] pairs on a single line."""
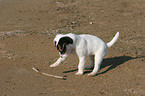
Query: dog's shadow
{"points": [[111, 62]]}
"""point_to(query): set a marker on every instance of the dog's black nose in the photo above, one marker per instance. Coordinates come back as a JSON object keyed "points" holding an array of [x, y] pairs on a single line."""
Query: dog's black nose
{"points": [[62, 52]]}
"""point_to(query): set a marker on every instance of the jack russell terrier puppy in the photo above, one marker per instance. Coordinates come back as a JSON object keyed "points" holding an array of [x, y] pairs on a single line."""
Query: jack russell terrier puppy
{"points": [[83, 45]]}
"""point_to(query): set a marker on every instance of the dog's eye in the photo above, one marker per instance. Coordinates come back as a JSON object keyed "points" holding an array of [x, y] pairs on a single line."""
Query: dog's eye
{"points": [[55, 43]]}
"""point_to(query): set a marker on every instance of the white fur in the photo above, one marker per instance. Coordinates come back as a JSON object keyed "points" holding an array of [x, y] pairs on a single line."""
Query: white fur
{"points": [[85, 45]]}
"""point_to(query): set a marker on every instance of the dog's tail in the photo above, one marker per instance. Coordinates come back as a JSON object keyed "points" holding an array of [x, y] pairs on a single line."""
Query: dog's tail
{"points": [[109, 44]]}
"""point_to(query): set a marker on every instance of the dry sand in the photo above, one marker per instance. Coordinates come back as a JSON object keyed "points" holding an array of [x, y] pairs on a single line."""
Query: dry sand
{"points": [[27, 29]]}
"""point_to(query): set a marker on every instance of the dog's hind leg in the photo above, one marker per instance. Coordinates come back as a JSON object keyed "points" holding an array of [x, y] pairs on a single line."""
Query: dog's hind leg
{"points": [[98, 59], [91, 63]]}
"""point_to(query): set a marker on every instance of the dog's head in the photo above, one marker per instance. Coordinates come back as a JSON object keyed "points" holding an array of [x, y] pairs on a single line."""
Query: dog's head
{"points": [[62, 42]]}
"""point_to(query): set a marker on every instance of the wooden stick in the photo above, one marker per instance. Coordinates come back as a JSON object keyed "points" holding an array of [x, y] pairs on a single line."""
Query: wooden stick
{"points": [[59, 77]]}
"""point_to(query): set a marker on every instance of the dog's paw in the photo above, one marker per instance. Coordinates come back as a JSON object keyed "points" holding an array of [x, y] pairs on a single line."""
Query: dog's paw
{"points": [[91, 75], [53, 65], [79, 73]]}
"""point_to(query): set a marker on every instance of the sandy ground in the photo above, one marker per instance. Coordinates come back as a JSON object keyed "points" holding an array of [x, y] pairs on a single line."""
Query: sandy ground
{"points": [[27, 29]]}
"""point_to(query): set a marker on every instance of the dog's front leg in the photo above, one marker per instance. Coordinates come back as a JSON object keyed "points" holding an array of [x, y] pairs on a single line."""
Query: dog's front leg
{"points": [[81, 65], [61, 59]]}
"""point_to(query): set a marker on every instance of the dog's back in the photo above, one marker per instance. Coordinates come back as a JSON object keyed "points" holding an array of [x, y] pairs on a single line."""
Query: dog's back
{"points": [[93, 43]]}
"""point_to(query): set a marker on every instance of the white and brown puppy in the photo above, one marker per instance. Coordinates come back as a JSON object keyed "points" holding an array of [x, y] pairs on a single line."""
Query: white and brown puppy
{"points": [[83, 45]]}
